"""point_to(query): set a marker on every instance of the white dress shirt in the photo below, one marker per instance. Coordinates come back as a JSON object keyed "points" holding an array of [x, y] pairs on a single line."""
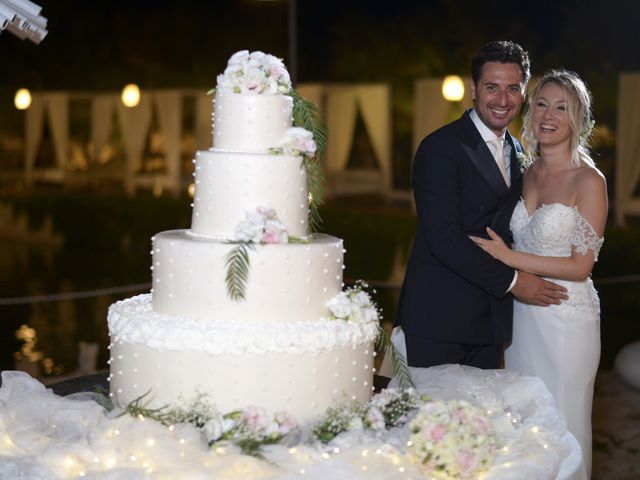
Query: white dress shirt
{"points": [[488, 136]]}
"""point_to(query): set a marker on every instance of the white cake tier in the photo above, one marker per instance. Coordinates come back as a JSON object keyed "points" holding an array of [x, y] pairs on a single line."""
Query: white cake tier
{"points": [[301, 368], [230, 184], [250, 122], [287, 282]]}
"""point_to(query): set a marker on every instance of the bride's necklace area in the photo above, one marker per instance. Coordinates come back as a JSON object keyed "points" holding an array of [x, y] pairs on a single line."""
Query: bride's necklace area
{"points": [[550, 184]]}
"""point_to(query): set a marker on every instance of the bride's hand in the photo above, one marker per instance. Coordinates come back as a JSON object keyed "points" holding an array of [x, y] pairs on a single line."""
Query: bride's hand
{"points": [[495, 246]]}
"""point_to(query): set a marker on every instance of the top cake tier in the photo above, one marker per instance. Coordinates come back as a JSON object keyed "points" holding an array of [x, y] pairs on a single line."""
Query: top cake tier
{"points": [[249, 122]]}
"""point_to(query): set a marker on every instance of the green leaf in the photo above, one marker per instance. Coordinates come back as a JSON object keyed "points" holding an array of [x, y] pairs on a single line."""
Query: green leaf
{"points": [[307, 115], [400, 367], [237, 262]]}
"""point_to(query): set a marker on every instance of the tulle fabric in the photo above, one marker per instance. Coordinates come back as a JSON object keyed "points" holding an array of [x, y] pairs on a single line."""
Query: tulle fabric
{"points": [[44, 436]]}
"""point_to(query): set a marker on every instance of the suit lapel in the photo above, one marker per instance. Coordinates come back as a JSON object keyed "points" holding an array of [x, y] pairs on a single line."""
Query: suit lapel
{"points": [[479, 154]]}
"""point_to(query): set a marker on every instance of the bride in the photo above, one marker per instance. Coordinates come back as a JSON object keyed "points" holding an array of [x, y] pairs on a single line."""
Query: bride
{"points": [[557, 228]]}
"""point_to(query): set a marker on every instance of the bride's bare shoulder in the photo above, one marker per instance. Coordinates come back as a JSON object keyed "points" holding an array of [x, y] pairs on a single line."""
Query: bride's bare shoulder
{"points": [[590, 177], [591, 187]]}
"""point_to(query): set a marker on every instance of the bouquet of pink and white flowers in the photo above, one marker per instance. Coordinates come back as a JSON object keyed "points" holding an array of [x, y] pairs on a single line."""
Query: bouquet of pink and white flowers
{"points": [[298, 142], [261, 226], [387, 409], [453, 438], [256, 72], [253, 427]]}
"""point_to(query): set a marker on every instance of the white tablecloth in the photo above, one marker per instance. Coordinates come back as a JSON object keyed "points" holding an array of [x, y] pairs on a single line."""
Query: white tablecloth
{"points": [[44, 436]]}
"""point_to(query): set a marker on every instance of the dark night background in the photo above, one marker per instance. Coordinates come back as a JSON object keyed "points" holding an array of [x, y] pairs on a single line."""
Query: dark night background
{"points": [[103, 44]]}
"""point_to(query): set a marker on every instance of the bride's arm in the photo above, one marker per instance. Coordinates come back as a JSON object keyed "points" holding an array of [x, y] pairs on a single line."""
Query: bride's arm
{"points": [[592, 205]]}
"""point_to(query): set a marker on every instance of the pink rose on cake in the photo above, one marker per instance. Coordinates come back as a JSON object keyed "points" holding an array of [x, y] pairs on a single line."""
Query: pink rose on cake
{"points": [[255, 72], [259, 421], [298, 142], [261, 226]]}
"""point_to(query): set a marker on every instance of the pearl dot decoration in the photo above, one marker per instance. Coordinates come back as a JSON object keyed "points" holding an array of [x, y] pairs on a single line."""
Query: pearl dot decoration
{"points": [[278, 327]]}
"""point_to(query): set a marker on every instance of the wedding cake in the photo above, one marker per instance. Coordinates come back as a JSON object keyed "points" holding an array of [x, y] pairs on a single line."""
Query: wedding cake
{"points": [[246, 306]]}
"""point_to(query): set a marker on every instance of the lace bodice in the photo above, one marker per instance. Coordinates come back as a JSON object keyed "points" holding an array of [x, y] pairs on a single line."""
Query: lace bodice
{"points": [[552, 230]]}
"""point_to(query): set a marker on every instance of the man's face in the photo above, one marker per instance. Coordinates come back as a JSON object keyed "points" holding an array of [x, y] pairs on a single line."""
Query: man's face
{"points": [[498, 95]]}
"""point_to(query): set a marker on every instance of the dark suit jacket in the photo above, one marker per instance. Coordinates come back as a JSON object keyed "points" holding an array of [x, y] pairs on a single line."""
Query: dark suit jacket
{"points": [[453, 291]]}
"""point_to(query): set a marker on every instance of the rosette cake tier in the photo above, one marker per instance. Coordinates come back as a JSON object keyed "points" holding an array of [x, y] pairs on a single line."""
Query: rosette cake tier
{"points": [[277, 347]]}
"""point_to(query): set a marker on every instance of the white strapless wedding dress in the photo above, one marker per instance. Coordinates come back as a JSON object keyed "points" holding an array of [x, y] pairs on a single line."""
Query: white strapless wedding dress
{"points": [[560, 344]]}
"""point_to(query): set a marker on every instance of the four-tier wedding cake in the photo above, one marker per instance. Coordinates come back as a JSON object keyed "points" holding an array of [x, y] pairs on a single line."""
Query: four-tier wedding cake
{"points": [[239, 307]]}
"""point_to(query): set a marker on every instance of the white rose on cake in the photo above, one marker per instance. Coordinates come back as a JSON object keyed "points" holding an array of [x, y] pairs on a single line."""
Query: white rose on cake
{"points": [[340, 306], [353, 305]]}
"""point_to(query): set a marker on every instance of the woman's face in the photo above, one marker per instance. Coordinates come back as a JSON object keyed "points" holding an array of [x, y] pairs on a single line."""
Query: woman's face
{"points": [[550, 119]]}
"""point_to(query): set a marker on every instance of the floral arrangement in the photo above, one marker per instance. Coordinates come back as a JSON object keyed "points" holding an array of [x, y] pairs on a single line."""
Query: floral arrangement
{"points": [[453, 438], [256, 72], [588, 129], [524, 161], [252, 428], [448, 438], [298, 141], [389, 408], [261, 226], [354, 305], [249, 429]]}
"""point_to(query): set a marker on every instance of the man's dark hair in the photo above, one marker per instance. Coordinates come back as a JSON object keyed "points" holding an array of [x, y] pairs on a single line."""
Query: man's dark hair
{"points": [[504, 52]]}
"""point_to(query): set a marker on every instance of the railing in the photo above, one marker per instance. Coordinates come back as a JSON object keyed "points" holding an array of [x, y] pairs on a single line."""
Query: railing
{"points": [[139, 287]]}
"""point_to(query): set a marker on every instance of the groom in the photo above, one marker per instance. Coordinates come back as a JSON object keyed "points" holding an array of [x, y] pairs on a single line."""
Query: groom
{"points": [[456, 300]]}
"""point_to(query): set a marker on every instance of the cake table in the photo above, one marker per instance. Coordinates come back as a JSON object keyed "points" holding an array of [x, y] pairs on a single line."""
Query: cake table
{"points": [[46, 436]]}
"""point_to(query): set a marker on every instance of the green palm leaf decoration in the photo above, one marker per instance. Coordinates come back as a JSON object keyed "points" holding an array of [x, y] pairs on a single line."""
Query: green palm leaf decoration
{"points": [[237, 262], [307, 115], [400, 368]]}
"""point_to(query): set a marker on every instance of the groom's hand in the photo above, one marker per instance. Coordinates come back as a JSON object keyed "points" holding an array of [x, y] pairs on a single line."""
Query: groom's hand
{"points": [[534, 290]]}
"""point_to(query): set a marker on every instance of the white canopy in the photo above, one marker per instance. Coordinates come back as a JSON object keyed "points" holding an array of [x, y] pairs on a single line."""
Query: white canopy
{"points": [[339, 104], [432, 111]]}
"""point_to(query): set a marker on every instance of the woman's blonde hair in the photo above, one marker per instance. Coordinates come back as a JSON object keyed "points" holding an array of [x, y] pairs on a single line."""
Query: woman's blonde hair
{"points": [[578, 104]]}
